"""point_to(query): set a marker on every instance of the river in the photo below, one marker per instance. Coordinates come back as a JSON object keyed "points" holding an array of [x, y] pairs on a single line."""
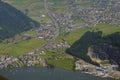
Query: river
{"points": [[33, 73]]}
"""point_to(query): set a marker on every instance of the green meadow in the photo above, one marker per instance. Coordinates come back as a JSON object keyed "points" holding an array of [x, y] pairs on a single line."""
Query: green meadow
{"points": [[65, 63], [75, 35], [21, 47]]}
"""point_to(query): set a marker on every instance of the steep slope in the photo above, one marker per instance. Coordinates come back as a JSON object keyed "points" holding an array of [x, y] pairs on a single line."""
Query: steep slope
{"points": [[80, 47], [12, 21], [32, 8], [107, 49], [104, 48]]}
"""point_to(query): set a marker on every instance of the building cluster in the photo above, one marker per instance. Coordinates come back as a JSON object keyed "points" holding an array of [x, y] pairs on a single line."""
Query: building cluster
{"points": [[63, 44], [6, 60], [106, 71], [46, 31], [97, 12], [89, 12], [29, 59]]}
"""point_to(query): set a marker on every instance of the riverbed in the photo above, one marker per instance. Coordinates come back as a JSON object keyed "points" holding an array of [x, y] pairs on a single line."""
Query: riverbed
{"points": [[33, 73]]}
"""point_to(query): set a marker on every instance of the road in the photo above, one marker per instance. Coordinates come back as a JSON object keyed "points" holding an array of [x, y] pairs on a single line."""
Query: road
{"points": [[53, 20], [57, 33]]}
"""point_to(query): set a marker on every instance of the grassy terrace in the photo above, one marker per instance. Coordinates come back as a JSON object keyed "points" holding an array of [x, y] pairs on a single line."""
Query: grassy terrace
{"points": [[65, 63], [57, 59], [20, 47], [72, 36], [46, 19], [50, 54], [62, 61]]}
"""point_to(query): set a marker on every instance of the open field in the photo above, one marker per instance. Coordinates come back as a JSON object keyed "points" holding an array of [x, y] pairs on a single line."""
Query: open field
{"points": [[56, 59], [50, 54], [75, 35], [65, 63], [21, 47], [59, 7]]}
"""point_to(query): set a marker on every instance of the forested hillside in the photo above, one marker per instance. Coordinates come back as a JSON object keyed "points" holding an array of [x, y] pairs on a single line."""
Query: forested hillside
{"points": [[102, 47], [13, 21]]}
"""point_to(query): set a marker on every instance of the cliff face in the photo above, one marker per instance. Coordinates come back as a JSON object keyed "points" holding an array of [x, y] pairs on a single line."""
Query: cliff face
{"points": [[12, 21], [93, 45], [109, 50], [106, 52]]}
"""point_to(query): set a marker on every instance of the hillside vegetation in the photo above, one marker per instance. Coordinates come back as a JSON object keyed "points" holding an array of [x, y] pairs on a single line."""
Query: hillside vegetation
{"points": [[100, 35], [13, 21], [75, 35], [21, 47], [32, 8]]}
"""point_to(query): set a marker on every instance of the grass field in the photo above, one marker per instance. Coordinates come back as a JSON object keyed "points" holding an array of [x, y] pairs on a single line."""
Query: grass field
{"points": [[59, 60], [38, 19], [75, 35], [50, 54], [59, 7], [65, 63], [21, 47]]}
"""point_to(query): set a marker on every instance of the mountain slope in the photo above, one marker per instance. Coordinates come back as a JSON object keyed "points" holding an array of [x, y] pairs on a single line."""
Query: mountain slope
{"points": [[80, 47], [12, 21], [105, 48]]}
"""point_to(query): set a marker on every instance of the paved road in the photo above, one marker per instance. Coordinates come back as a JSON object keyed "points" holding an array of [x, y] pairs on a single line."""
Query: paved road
{"points": [[53, 20], [45, 46]]}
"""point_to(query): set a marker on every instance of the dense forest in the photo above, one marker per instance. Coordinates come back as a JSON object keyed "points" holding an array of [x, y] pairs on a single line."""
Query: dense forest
{"points": [[13, 21], [103, 47]]}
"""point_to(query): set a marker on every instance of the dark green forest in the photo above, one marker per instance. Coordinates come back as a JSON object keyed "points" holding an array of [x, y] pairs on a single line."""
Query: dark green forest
{"points": [[13, 21], [108, 44]]}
